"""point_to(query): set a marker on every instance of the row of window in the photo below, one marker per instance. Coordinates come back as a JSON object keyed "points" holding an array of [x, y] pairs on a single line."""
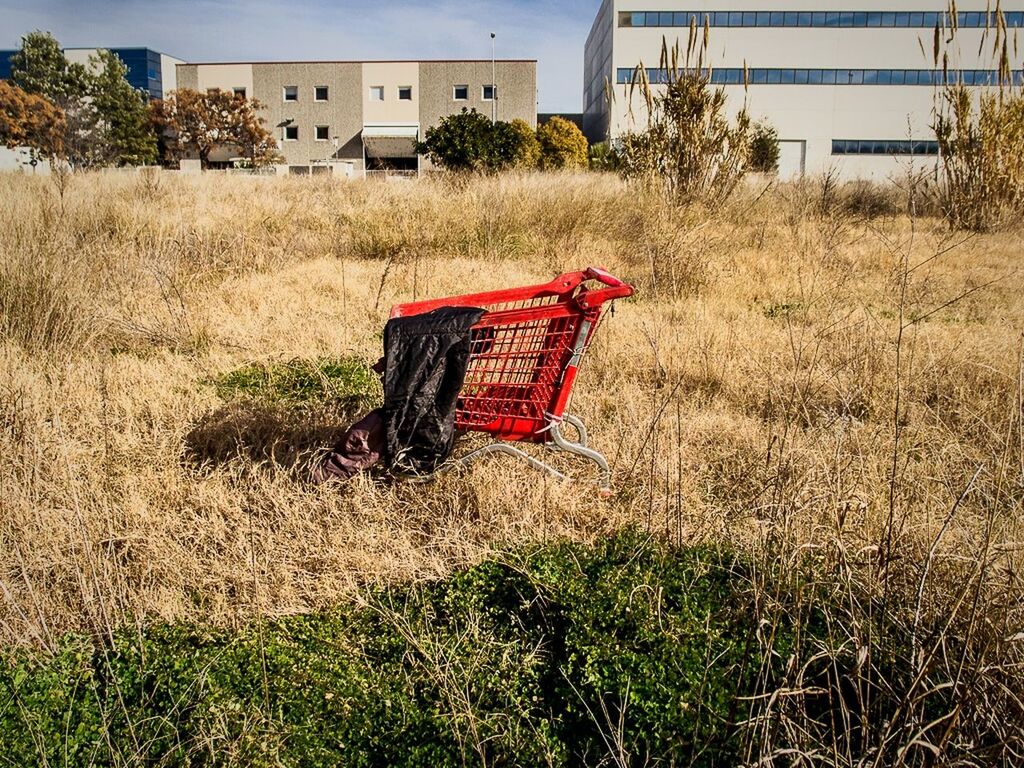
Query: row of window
{"points": [[320, 133], [761, 76], [377, 93], [866, 147], [912, 19]]}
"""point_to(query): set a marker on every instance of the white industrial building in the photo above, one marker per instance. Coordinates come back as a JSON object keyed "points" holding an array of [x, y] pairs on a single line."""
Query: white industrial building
{"points": [[847, 85]]}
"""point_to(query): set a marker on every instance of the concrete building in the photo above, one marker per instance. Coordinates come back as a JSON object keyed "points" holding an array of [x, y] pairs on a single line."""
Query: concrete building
{"points": [[846, 84], [148, 70], [355, 116]]}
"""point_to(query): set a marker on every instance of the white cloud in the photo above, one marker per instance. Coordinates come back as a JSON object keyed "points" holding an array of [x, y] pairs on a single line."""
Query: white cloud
{"points": [[233, 30]]}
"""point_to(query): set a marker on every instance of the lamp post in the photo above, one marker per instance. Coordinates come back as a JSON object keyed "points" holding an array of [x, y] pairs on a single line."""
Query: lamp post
{"points": [[494, 85]]}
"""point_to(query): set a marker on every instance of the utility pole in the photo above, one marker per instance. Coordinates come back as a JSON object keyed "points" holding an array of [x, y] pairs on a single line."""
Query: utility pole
{"points": [[494, 85]]}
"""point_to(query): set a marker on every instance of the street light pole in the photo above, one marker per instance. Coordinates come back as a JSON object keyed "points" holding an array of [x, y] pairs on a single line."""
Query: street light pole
{"points": [[494, 85]]}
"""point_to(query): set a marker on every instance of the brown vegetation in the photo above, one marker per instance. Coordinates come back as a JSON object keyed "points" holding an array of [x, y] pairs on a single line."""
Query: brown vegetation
{"points": [[793, 381]]}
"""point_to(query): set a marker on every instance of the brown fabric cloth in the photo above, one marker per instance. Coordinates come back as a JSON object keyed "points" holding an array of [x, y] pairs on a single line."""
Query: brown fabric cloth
{"points": [[360, 448]]}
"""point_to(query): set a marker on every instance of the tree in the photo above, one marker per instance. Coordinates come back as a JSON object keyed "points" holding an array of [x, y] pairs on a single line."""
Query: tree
{"points": [[460, 142], [28, 120], [40, 67], [469, 141], [562, 144], [122, 110], [527, 151], [199, 122], [764, 149], [105, 118]]}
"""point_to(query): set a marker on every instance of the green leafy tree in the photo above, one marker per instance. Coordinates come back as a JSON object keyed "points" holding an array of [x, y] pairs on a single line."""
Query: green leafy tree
{"points": [[40, 67], [460, 142], [469, 141], [764, 148], [106, 121], [562, 144], [127, 134]]}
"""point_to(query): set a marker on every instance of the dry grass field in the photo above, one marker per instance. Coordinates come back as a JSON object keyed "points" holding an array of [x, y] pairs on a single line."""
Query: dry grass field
{"points": [[828, 392]]}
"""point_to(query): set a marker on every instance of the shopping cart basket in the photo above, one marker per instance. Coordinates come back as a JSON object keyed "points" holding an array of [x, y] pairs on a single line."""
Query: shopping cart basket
{"points": [[524, 356]]}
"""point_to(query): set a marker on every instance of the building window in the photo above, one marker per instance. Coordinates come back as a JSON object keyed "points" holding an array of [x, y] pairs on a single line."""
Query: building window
{"points": [[405, 93], [845, 77], [849, 19], [488, 93], [239, 92], [291, 133], [376, 93], [291, 93], [320, 93], [460, 92], [323, 132], [874, 147]]}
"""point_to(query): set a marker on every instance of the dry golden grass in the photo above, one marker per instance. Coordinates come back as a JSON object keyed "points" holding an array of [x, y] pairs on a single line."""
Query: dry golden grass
{"points": [[758, 392]]}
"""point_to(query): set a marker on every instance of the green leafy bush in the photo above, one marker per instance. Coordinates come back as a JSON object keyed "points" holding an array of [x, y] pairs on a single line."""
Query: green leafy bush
{"points": [[567, 655], [469, 141], [764, 148]]}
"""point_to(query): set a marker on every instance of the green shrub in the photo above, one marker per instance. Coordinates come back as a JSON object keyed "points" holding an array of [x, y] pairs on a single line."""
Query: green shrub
{"points": [[345, 381], [565, 655], [764, 148]]}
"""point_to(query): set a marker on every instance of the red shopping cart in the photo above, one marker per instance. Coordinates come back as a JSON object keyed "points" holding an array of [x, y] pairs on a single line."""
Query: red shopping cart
{"points": [[524, 356]]}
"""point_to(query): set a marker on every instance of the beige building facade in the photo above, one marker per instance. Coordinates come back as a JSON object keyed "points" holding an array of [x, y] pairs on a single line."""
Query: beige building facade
{"points": [[354, 117]]}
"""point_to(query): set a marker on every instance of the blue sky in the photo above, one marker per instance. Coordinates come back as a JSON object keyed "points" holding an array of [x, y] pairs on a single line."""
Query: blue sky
{"points": [[243, 30]]}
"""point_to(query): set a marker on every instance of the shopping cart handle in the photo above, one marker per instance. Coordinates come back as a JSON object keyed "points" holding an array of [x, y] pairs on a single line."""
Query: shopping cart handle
{"points": [[617, 289], [603, 276]]}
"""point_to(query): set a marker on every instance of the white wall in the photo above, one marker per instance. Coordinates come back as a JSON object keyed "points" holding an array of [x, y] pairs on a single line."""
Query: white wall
{"points": [[815, 114]]}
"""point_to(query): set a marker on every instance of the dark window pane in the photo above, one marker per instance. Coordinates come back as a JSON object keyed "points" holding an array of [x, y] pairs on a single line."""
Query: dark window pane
{"points": [[719, 76], [870, 76], [899, 77], [884, 77], [916, 20], [902, 19], [911, 77], [818, 18], [804, 19], [736, 77], [758, 76], [860, 19], [652, 19], [874, 19], [681, 19], [930, 20], [665, 19], [777, 18], [838, 147], [972, 19], [845, 19], [626, 19], [801, 77], [880, 148], [774, 77]]}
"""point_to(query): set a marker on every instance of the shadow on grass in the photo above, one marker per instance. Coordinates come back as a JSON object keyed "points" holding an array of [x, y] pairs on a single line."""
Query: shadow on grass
{"points": [[264, 433]]}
